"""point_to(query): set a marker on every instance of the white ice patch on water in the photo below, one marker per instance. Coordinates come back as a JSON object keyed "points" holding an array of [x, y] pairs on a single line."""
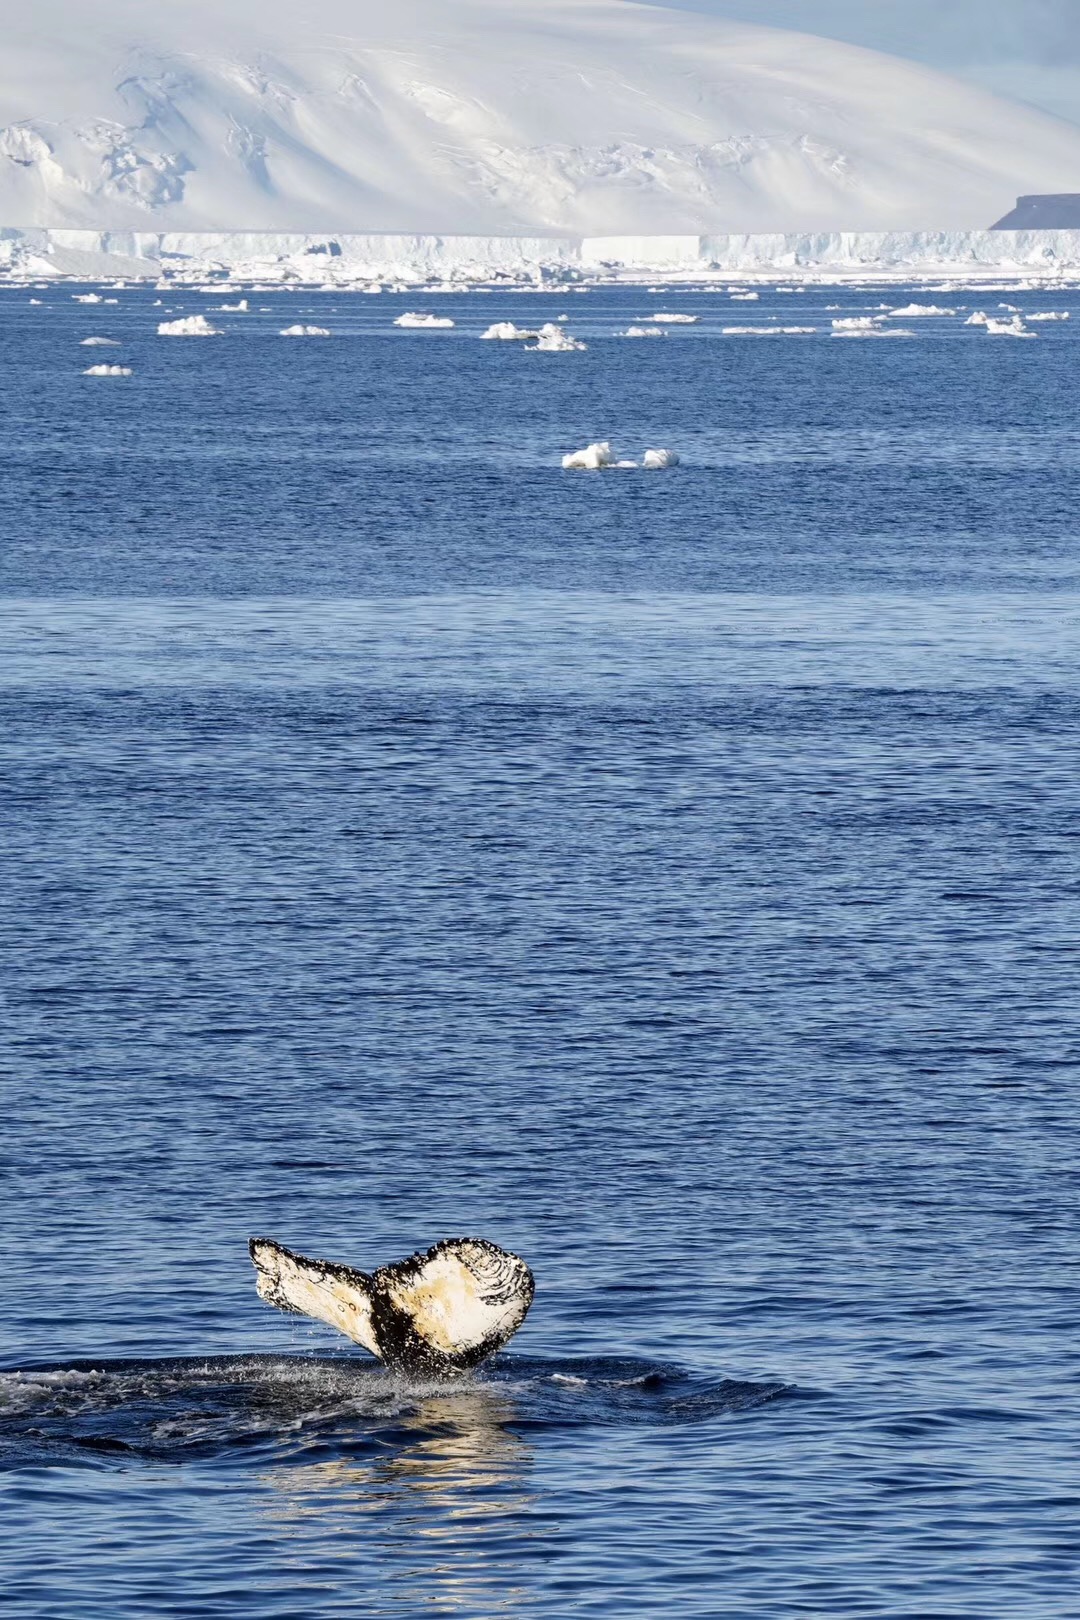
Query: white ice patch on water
{"points": [[412, 318], [644, 332], [553, 340], [87, 298], [665, 318], [591, 459], [909, 311], [599, 456], [233, 309], [1051, 315], [304, 331], [99, 343], [189, 326], [768, 331], [1014, 328], [858, 323], [107, 371], [507, 332], [874, 332]]}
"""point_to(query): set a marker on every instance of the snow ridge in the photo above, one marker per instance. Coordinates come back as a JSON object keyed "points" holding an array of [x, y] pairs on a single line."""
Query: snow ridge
{"points": [[495, 117]]}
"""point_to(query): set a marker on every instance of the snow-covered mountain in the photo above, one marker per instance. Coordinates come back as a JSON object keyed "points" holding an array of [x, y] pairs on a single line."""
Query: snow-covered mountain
{"points": [[489, 116]]}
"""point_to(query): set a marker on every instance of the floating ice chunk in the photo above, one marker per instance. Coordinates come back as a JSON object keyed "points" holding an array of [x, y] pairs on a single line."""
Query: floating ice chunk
{"points": [[110, 300], [675, 320], [910, 310], [1010, 309], [858, 323], [644, 331], [768, 331], [99, 343], [591, 459], [234, 309], [188, 326], [304, 331], [411, 318], [507, 332], [1014, 328], [977, 319], [658, 460], [107, 371], [745, 297], [874, 332], [1051, 315], [35, 300], [553, 340], [87, 298]]}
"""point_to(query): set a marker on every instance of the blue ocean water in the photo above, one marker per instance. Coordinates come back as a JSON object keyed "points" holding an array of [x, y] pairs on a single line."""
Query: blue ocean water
{"points": [[672, 877]]}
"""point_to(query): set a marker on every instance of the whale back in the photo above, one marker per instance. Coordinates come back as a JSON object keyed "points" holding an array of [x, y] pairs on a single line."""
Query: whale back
{"points": [[430, 1316]]}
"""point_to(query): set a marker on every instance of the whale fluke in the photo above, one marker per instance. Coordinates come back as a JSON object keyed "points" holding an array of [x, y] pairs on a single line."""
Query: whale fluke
{"points": [[431, 1316]]}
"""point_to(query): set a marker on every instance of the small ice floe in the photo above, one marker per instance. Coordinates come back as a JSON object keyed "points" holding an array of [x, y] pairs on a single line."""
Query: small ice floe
{"points": [[234, 309], [874, 332], [591, 459], [1047, 315], [87, 298], [110, 300], [977, 319], [188, 326], [304, 331], [768, 331], [1014, 328], [551, 339], [414, 319], [507, 332], [99, 343], [745, 297], [107, 371], [909, 311], [598, 457], [858, 323], [35, 300], [1010, 309], [643, 332], [668, 319]]}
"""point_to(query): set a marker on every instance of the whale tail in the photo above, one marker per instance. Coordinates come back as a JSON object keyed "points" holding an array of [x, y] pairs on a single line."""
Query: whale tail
{"points": [[431, 1316]]}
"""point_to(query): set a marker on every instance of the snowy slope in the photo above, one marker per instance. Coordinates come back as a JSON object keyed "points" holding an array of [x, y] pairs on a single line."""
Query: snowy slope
{"points": [[489, 116]]}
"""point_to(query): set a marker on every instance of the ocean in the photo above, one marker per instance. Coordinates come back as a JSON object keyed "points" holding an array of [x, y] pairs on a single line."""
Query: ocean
{"points": [[671, 876]]}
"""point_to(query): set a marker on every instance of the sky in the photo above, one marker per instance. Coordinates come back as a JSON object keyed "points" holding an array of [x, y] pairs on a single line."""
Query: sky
{"points": [[1029, 49]]}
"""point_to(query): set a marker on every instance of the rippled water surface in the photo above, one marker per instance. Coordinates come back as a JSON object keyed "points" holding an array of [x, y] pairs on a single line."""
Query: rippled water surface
{"points": [[672, 877]]}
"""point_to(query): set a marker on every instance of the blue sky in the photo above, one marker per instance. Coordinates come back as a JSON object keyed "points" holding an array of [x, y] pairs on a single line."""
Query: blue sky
{"points": [[1024, 48]]}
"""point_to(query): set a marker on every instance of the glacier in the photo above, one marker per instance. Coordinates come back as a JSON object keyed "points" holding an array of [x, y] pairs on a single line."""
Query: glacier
{"points": [[374, 260]]}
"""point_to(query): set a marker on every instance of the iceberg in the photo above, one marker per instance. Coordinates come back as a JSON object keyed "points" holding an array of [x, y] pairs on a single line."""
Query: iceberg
{"points": [[188, 326], [107, 371], [644, 332], [910, 310], [858, 323], [658, 460], [1051, 315], [304, 331], [99, 343], [675, 320]]}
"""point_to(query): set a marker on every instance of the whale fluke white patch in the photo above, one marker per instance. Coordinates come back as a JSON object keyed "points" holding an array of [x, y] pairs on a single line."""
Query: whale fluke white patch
{"points": [[432, 1315]]}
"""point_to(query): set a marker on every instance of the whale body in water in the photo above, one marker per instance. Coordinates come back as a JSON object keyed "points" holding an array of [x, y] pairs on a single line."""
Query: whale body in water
{"points": [[431, 1316]]}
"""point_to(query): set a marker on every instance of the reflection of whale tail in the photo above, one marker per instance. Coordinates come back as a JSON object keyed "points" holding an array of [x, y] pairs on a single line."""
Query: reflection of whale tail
{"points": [[432, 1315]]}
